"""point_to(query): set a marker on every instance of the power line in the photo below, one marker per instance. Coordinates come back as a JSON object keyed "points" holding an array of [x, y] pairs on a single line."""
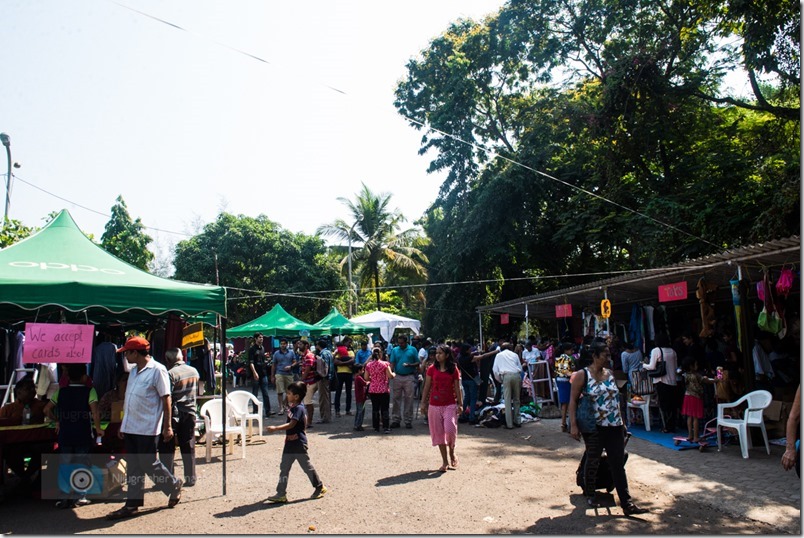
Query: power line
{"points": [[89, 208], [491, 152]]}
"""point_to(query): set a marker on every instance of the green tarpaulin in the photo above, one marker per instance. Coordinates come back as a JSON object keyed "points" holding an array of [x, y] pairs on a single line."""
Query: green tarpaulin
{"points": [[336, 323], [59, 271], [275, 322]]}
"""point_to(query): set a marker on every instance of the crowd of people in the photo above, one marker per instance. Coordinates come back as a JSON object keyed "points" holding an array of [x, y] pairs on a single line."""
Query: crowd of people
{"points": [[454, 381]]}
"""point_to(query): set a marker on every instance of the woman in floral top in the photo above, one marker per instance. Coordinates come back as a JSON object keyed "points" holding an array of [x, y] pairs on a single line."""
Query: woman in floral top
{"points": [[377, 373], [564, 366], [597, 382]]}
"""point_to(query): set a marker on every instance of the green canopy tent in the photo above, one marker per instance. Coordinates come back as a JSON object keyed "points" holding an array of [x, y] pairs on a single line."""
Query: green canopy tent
{"points": [[336, 323], [275, 322], [60, 273]]}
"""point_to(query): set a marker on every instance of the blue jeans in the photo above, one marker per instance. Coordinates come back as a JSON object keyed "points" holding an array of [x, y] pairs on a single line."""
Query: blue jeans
{"points": [[470, 397], [262, 385], [359, 412]]}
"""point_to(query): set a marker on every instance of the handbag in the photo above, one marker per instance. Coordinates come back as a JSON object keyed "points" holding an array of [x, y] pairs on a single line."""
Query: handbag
{"points": [[661, 367], [477, 379], [585, 415]]}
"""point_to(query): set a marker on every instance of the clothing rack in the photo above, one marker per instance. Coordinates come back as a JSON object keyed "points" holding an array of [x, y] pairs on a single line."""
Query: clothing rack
{"points": [[549, 380]]}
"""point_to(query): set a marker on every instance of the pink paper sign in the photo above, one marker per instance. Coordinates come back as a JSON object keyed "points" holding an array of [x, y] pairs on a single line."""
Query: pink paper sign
{"points": [[563, 310], [57, 342], [503, 319], [673, 292]]}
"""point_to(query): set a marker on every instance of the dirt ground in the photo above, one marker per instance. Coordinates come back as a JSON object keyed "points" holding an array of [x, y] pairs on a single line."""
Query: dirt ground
{"points": [[519, 481]]}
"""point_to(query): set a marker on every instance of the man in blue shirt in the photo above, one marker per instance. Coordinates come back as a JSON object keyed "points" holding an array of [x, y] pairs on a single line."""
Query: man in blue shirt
{"points": [[404, 361], [363, 354], [285, 360]]}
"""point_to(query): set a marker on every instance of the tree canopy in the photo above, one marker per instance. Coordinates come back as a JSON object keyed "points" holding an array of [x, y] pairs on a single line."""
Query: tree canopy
{"points": [[381, 250], [125, 238], [595, 135], [262, 264]]}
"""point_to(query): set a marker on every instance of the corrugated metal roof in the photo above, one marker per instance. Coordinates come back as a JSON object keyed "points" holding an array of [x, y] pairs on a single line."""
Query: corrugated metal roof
{"points": [[641, 286]]}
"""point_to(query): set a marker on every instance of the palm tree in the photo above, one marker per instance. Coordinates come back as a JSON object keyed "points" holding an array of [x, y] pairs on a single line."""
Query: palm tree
{"points": [[383, 247]]}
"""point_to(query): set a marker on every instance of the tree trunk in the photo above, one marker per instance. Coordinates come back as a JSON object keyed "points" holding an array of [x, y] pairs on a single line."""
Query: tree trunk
{"points": [[377, 285]]}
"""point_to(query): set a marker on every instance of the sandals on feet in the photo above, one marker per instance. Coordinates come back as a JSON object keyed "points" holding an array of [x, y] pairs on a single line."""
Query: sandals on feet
{"points": [[453, 464], [443, 468]]}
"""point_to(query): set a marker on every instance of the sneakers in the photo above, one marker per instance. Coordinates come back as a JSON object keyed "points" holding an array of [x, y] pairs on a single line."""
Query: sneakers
{"points": [[349, 413], [630, 509], [277, 499], [387, 431], [395, 424], [122, 513], [319, 492], [359, 429]]}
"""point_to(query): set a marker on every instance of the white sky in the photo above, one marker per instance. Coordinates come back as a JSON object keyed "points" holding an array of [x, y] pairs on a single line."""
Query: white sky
{"points": [[100, 101]]}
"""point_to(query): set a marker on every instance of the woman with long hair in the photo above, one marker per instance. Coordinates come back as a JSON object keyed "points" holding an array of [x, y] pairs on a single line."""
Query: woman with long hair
{"points": [[441, 401], [666, 384], [378, 373], [596, 382]]}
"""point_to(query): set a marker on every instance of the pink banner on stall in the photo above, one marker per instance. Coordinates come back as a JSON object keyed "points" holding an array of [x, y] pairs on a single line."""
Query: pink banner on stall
{"points": [[673, 292], [57, 342], [563, 310], [503, 319]]}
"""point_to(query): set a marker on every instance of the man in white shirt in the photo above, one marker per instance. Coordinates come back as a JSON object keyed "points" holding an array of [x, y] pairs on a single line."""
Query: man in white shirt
{"points": [[507, 369], [146, 410], [531, 354]]}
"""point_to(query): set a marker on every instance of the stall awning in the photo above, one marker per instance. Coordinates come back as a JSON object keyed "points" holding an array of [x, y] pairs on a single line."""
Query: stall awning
{"points": [[641, 286], [59, 270]]}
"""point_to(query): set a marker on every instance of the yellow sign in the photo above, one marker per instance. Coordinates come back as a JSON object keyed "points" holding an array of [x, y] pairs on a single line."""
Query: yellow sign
{"points": [[605, 309], [193, 335]]}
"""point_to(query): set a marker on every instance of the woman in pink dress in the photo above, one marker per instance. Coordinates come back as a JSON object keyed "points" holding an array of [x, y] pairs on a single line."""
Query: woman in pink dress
{"points": [[441, 402]]}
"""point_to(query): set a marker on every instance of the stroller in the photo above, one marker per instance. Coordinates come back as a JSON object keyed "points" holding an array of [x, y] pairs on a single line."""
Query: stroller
{"points": [[604, 478]]}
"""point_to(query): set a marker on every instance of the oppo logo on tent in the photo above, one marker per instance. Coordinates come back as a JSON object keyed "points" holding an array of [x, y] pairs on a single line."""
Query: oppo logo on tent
{"points": [[76, 268]]}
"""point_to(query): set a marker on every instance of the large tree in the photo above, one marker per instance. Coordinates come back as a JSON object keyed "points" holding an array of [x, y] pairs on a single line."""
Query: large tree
{"points": [[125, 238], [590, 135], [379, 246], [262, 264]]}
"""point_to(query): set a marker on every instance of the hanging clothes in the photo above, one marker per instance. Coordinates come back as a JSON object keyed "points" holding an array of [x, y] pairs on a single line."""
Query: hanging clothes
{"points": [[635, 327], [103, 367], [651, 332]]}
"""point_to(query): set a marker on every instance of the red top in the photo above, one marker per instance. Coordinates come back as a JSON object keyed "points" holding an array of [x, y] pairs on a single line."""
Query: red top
{"points": [[360, 389], [442, 390], [378, 377], [309, 361]]}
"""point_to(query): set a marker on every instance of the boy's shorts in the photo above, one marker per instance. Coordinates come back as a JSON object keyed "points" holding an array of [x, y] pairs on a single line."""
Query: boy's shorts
{"points": [[311, 390]]}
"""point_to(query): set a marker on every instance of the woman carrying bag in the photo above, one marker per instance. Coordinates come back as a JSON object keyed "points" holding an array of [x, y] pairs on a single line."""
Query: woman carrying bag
{"points": [[601, 425], [664, 358]]}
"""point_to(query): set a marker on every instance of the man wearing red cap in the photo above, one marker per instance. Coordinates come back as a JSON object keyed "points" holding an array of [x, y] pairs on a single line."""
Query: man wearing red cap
{"points": [[146, 409]]}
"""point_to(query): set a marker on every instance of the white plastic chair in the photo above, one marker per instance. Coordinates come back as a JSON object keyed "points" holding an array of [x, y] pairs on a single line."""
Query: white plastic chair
{"points": [[752, 417], [240, 399], [212, 411], [645, 407]]}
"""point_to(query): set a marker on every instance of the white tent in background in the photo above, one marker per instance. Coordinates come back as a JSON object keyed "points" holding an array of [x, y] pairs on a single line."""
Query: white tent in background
{"points": [[388, 323]]}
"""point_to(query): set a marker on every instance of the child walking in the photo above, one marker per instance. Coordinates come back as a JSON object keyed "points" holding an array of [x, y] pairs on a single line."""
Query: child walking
{"points": [[295, 445], [693, 407], [361, 388]]}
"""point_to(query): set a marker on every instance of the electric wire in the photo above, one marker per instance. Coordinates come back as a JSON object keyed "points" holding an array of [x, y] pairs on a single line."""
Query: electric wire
{"points": [[456, 138]]}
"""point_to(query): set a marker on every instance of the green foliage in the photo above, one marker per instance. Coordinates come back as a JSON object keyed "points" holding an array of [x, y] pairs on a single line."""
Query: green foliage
{"points": [[125, 238], [263, 264], [13, 231], [381, 252], [619, 103]]}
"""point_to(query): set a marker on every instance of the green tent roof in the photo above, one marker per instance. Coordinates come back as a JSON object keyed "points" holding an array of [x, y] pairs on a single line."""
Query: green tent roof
{"points": [[275, 322], [336, 323], [59, 269]]}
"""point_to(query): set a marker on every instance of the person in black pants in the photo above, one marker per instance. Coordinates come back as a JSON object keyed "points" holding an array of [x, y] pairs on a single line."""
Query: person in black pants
{"points": [[259, 366], [597, 383], [183, 389], [666, 385]]}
